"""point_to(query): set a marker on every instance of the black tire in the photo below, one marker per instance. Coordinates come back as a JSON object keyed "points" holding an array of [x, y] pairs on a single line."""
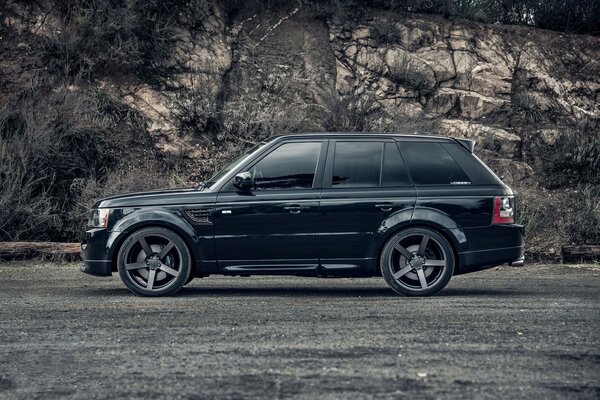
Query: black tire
{"points": [[191, 278], [417, 262], [156, 253]]}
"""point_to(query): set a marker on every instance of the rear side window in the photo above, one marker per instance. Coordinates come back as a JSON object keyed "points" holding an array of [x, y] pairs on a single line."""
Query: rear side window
{"points": [[357, 164], [431, 164], [290, 166]]}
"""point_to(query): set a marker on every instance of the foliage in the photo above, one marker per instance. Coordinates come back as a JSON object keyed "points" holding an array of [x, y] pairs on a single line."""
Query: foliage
{"points": [[575, 157], [477, 10], [95, 36], [404, 72], [577, 16], [525, 105], [385, 33], [48, 140]]}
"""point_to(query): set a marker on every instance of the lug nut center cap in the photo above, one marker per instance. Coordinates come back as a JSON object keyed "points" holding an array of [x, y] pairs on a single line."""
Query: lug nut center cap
{"points": [[153, 262]]}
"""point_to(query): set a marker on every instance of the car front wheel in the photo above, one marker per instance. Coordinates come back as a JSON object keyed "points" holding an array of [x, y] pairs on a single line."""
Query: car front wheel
{"points": [[417, 262], [154, 262]]}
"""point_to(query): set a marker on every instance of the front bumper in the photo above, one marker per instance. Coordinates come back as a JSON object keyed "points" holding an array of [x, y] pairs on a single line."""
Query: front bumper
{"points": [[95, 253]]}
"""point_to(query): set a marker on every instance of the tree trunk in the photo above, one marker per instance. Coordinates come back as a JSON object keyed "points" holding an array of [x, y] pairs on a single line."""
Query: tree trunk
{"points": [[576, 254], [47, 249]]}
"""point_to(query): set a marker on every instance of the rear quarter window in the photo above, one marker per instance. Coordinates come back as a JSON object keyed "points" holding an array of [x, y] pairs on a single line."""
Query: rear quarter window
{"points": [[430, 164]]}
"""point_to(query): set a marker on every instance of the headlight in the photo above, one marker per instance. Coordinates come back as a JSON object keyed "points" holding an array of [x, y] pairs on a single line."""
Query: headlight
{"points": [[99, 218]]}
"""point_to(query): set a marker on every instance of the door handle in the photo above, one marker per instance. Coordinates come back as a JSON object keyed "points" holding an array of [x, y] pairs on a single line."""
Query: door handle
{"points": [[295, 209], [385, 206]]}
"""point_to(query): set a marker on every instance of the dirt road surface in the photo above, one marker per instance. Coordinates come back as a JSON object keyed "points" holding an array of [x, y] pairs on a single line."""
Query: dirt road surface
{"points": [[531, 332]]}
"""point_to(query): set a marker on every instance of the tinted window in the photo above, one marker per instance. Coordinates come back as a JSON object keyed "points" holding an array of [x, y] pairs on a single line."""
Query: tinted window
{"points": [[394, 171], [357, 164], [290, 166], [431, 164]]}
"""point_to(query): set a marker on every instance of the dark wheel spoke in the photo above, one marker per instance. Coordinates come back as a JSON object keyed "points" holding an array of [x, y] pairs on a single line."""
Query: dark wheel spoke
{"points": [[169, 270], [145, 247], [423, 245], [136, 265], [422, 278], [403, 251], [166, 250], [403, 272], [435, 263], [151, 277]]}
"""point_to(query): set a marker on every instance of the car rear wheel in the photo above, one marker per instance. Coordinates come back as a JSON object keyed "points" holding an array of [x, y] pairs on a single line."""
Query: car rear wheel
{"points": [[154, 262], [417, 262]]}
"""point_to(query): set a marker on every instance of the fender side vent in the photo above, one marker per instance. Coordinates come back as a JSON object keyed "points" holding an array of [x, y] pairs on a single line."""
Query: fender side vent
{"points": [[199, 215]]}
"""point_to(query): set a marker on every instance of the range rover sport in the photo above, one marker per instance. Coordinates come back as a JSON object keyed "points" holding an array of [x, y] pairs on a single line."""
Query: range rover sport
{"points": [[415, 209]]}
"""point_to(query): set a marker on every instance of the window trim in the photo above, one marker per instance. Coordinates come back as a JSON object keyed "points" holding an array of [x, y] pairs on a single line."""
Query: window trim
{"points": [[328, 171], [400, 142], [317, 180], [410, 181]]}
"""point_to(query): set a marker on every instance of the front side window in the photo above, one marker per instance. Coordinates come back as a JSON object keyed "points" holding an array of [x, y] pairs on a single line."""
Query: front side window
{"points": [[357, 164], [431, 164], [289, 166]]}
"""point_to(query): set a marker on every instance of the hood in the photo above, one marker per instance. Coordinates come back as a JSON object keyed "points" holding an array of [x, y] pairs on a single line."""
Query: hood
{"points": [[166, 197]]}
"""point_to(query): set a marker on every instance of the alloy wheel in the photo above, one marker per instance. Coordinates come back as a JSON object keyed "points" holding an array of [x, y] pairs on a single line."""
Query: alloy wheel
{"points": [[153, 262], [417, 262]]}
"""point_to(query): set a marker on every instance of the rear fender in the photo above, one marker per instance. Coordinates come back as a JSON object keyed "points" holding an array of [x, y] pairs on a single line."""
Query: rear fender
{"points": [[427, 217]]}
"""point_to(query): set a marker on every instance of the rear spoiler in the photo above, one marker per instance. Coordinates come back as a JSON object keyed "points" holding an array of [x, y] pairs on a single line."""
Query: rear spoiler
{"points": [[466, 143]]}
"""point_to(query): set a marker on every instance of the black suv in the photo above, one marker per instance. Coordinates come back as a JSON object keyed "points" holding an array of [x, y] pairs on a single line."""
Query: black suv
{"points": [[415, 209]]}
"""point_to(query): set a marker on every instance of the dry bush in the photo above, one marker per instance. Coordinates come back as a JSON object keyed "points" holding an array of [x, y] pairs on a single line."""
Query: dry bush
{"points": [[572, 159], [385, 33], [195, 112], [48, 140], [94, 37], [349, 113], [525, 105], [252, 120], [404, 72]]}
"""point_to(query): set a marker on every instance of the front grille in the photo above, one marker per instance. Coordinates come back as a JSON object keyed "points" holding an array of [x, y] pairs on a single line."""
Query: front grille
{"points": [[200, 215]]}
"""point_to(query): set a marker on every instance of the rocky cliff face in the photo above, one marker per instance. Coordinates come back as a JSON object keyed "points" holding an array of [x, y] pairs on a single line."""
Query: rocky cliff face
{"points": [[513, 89], [503, 86]]}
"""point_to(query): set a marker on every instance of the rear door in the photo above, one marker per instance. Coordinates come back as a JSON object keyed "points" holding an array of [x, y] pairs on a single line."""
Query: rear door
{"points": [[365, 182]]}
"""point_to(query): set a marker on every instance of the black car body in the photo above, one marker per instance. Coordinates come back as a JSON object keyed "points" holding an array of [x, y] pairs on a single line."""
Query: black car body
{"points": [[322, 204]]}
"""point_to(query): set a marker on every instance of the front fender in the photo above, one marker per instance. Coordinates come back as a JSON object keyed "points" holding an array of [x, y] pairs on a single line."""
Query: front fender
{"points": [[134, 219]]}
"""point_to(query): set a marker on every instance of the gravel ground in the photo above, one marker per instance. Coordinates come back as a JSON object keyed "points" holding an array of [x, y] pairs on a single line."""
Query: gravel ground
{"points": [[506, 332]]}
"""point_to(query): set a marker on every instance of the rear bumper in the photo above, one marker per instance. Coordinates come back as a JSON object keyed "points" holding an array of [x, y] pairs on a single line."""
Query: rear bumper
{"points": [[94, 253], [491, 246]]}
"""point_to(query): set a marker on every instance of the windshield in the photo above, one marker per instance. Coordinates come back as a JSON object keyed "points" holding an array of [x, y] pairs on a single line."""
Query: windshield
{"points": [[232, 165]]}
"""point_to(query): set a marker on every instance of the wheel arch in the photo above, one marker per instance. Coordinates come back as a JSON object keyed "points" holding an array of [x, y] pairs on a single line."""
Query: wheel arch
{"points": [[154, 218], [441, 224]]}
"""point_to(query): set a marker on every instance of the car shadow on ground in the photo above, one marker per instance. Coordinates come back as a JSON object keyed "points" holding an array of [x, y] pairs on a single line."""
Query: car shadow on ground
{"points": [[322, 291]]}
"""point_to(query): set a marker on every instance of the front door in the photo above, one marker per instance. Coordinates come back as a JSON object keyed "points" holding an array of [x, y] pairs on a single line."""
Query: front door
{"points": [[365, 184], [274, 226]]}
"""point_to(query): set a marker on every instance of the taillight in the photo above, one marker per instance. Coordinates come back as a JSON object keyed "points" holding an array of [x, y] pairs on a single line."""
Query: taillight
{"points": [[503, 210]]}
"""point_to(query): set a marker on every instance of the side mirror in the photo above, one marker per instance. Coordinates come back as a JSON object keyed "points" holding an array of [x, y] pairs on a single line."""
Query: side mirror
{"points": [[243, 181]]}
